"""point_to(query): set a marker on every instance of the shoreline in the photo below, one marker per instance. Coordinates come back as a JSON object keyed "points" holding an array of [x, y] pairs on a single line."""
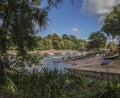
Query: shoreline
{"points": [[91, 66], [44, 51]]}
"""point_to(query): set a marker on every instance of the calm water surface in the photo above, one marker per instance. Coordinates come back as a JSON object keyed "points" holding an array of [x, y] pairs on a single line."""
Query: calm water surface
{"points": [[50, 63]]}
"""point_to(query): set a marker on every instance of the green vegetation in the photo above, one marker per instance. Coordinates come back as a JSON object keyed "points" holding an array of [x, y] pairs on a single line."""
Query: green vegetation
{"points": [[53, 41], [97, 40], [111, 25], [111, 45], [19, 22], [56, 84]]}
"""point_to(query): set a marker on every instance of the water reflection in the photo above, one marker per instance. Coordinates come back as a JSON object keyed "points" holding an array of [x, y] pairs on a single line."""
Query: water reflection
{"points": [[50, 63], [54, 63]]}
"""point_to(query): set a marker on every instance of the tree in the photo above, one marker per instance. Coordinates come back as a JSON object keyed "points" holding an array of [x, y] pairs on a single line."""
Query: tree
{"points": [[65, 36], [67, 44], [97, 40], [112, 22], [75, 40], [47, 43], [20, 19], [111, 45], [82, 44], [56, 44], [54, 36], [55, 40], [40, 43]]}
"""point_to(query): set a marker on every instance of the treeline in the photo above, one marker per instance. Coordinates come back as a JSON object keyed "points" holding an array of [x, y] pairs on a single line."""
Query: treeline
{"points": [[54, 41], [97, 40]]}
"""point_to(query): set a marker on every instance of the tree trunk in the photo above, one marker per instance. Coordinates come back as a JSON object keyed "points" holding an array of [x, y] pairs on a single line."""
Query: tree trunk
{"points": [[4, 63], [2, 72]]}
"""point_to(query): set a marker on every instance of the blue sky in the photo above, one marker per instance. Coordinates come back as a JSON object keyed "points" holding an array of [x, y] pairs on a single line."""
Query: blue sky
{"points": [[79, 19]]}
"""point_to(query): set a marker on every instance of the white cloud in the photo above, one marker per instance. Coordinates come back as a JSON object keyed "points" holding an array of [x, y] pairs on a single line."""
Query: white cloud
{"points": [[99, 7], [75, 29]]}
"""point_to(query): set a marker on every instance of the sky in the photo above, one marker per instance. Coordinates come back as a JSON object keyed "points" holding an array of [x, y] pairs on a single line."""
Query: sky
{"points": [[80, 18]]}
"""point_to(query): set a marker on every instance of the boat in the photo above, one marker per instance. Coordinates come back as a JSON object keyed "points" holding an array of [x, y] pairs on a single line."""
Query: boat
{"points": [[112, 57], [105, 62]]}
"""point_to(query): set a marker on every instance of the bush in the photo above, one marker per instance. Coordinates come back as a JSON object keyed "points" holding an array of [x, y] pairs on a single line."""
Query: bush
{"points": [[54, 84]]}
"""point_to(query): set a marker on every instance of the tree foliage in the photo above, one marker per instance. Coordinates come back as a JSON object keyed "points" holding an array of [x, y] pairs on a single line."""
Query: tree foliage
{"points": [[97, 40], [47, 44], [54, 41], [67, 44], [112, 22], [111, 45], [65, 36], [58, 42], [20, 19]]}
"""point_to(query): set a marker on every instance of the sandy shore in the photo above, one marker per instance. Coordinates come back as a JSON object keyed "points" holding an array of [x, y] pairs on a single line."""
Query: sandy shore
{"points": [[45, 51]]}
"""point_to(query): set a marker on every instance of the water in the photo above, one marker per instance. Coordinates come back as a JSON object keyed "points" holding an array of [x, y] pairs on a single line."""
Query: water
{"points": [[50, 63], [54, 63]]}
